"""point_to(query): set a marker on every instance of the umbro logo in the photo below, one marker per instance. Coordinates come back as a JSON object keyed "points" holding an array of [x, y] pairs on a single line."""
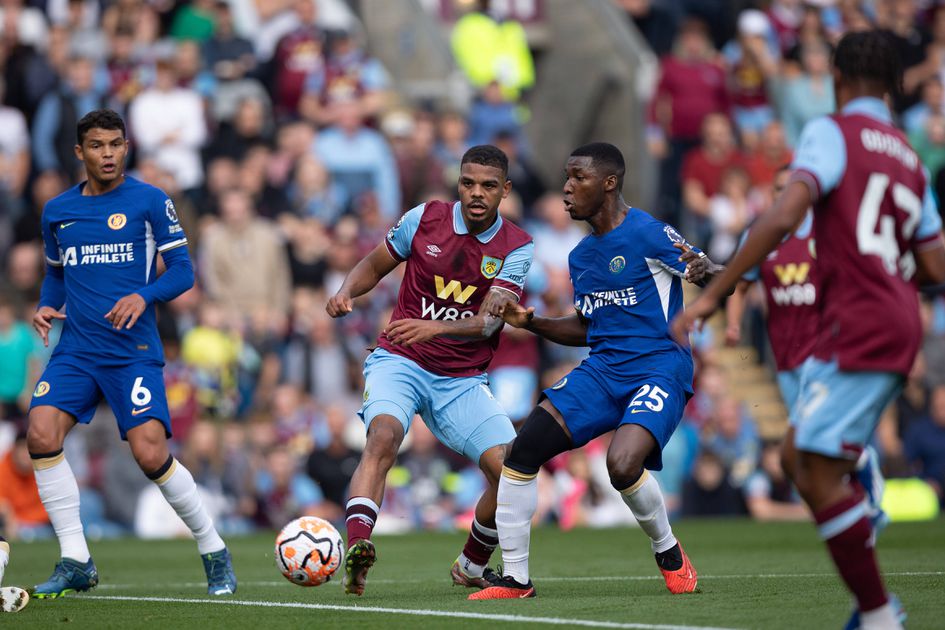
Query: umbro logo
{"points": [[433, 250]]}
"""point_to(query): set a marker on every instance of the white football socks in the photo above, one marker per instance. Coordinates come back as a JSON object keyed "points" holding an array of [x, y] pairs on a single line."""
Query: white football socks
{"points": [[883, 618], [59, 493], [179, 489], [4, 558], [517, 502], [646, 502]]}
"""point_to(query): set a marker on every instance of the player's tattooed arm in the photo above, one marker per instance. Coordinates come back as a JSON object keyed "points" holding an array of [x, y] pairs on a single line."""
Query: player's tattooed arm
{"points": [[364, 277], [567, 331], [480, 326]]}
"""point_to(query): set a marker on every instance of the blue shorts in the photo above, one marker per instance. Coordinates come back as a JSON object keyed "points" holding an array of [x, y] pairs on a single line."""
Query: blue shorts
{"points": [[593, 402], [837, 412], [134, 392], [789, 382], [460, 411]]}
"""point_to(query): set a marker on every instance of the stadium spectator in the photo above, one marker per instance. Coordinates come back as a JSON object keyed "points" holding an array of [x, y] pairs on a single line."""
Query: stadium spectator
{"points": [[752, 58], [733, 438], [769, 495], [124, 69], [298, 54], [932, 103], [284, 493], [332, 464], [656, 21], [691, 86], [14, 154], [20, 508], [348, 78], [135, 16], [771, 156], [168, 125], [26, 23], [786, 17], [244, 266], [702, 171], [359, 160], [313, 195], [59, 111], [803, 97], [452, 143], [18, 348], [193, 21], [925, 444], [250, 126], [709, 492], [489, 48]]}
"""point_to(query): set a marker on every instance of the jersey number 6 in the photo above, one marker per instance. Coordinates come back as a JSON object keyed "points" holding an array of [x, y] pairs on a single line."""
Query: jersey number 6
{"points": [[140, 395]]}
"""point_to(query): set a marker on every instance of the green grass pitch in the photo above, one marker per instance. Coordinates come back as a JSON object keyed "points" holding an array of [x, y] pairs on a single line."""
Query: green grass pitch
{"points": [[751, 575]]}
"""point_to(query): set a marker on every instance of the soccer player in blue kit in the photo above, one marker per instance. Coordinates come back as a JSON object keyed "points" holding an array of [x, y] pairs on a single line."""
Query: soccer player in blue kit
{"points": [[101, 239], [637, 379]]}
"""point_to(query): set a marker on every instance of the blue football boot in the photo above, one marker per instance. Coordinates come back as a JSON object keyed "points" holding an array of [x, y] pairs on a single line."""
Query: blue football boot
{"points": [[870, 476], [898, 610], [221, 579], [69, 576]]}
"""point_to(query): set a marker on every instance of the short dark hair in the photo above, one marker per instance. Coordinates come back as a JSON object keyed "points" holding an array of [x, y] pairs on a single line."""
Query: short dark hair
{"points": [[605, 157], [870, 56], [99, 119], [487, 155]]}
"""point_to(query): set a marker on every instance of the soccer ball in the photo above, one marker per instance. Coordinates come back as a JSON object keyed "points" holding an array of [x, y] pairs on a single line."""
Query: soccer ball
{"points": [[308, 551]]}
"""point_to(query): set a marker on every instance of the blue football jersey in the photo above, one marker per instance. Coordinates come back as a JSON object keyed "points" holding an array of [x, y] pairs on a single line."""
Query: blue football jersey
{"points": [[107, 247], [627, 285]]}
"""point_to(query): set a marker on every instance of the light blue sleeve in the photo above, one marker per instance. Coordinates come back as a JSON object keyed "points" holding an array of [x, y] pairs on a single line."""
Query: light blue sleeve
{"points": [[400, 237], [931, 222], [516, 265], [822, 152]]}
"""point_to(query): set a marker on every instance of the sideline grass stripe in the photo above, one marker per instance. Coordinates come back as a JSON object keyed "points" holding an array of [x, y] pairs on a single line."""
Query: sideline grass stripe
{"points": [[553, 621]]}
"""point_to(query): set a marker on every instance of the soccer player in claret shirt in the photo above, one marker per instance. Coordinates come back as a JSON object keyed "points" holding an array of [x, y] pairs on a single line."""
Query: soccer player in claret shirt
{"points": [[788, 276], [878, 236], [12, 599], [636, 381], [464, 264], [101, 239]]}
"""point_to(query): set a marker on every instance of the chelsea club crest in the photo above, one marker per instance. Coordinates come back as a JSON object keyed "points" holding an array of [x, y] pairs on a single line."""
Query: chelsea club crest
{"points": [[617, 263], [490, 266]]}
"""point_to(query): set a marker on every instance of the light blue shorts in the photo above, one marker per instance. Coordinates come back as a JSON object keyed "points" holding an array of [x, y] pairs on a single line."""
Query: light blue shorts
{"points": [[514, 387], [460, 411], [837, 412], [789, 382]]}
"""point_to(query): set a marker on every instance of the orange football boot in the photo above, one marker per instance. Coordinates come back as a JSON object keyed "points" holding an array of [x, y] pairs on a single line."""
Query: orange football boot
{"points": [[683, 579]]}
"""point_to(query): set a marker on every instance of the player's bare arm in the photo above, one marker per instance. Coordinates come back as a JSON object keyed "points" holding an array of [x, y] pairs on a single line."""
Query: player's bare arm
{"points": [[42, 321], [126, 311], [364, 277], [734, 309], [566, 331], [699, 267], [930, 262], [766, 233], [481, 326]]}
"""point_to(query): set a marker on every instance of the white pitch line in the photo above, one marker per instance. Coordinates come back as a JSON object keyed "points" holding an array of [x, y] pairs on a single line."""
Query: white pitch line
{"points": [[593, 578], [552, 621]]}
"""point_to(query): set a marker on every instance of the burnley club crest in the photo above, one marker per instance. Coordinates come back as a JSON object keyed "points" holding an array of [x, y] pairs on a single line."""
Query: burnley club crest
{"points": [[490, 266]]}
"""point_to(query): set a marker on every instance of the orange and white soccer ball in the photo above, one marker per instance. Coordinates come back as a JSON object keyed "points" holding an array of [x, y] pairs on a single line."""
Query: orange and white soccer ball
{"points": [[309, 551]]}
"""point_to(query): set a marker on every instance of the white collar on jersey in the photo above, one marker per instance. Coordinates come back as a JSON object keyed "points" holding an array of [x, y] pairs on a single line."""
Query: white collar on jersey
{"points": [[459, 226], [869, 106]]}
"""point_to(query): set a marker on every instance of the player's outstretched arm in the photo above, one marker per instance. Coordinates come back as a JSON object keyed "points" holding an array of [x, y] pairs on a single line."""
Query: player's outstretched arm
{"points": [[480, 326], [768, 230], [931, 264], [364, 277], [699, 268], [734, 310], [567, 331]]}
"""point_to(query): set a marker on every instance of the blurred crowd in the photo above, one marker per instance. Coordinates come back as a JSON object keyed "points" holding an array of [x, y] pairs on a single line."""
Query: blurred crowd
{"points": [[289, 153]]}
